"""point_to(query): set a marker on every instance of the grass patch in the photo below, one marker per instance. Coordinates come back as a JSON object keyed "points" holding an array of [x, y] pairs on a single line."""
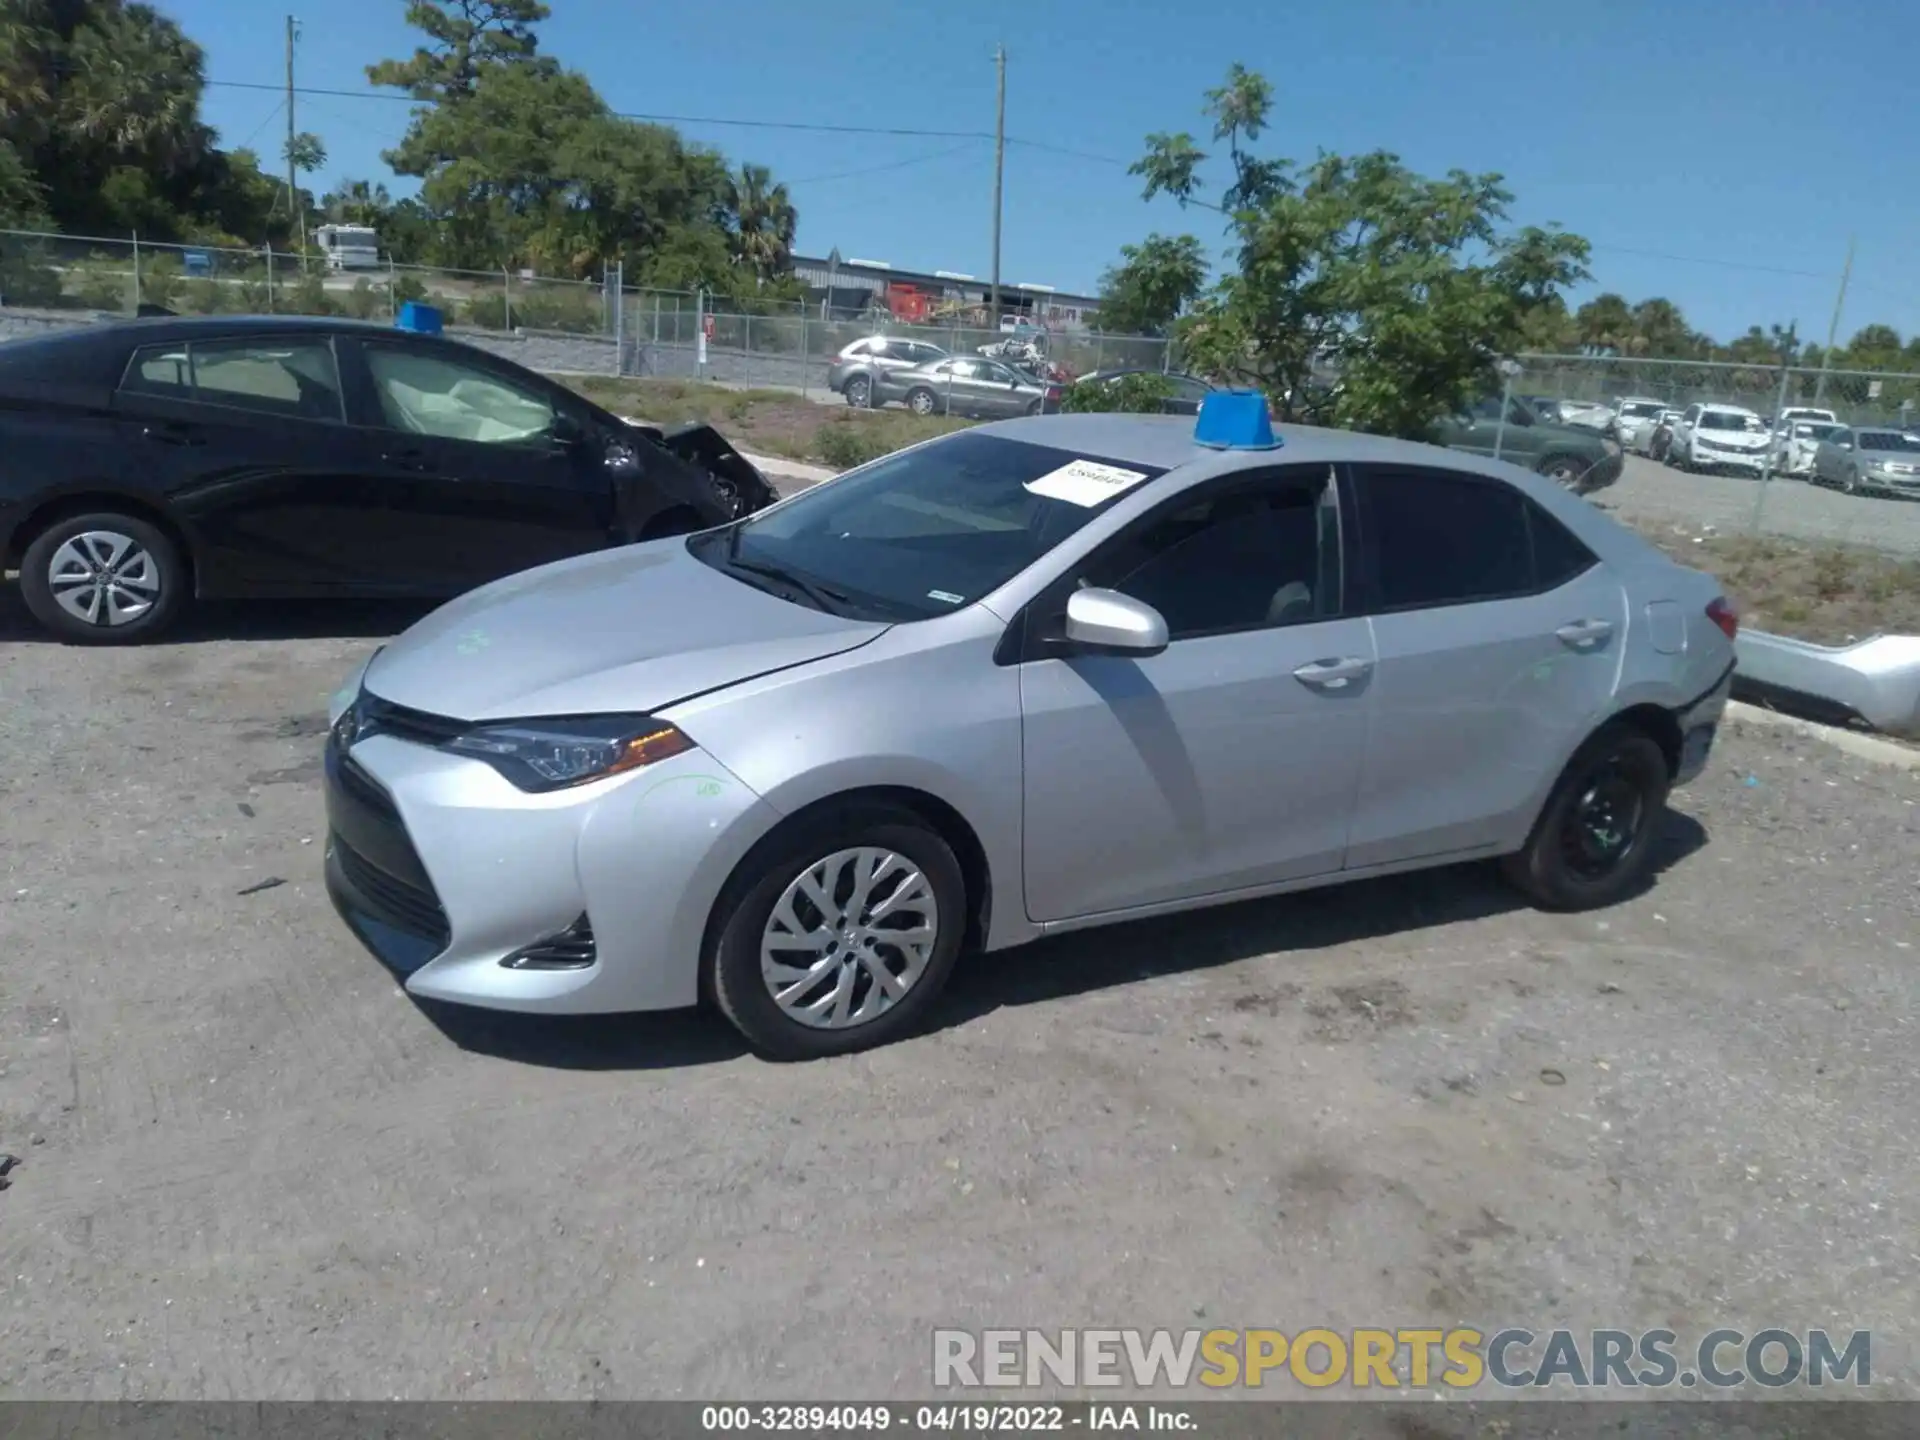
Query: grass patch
{"points": [[767, 422], [1828, 593]]}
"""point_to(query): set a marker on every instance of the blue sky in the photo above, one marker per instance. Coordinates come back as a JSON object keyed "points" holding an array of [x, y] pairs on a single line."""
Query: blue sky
{"points": [[1718, 152]]}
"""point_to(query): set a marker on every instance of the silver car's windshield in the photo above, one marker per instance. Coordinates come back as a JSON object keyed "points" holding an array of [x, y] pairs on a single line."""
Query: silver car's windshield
{"points": [[1889, 440], [926, 531]]}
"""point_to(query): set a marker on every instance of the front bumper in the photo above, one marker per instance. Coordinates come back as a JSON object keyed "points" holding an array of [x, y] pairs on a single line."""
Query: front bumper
{"points": [[444, 870], [1891, 484], [1748, 460]]}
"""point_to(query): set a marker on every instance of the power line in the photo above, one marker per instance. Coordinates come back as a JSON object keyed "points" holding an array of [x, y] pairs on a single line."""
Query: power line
{"points": [[654, 119], [247, 144], [876, 169]]}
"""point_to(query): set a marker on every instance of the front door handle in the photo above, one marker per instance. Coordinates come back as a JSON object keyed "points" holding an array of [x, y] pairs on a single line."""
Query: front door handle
{"points": [[1581, 634], [1333, 674], [417, 461]]}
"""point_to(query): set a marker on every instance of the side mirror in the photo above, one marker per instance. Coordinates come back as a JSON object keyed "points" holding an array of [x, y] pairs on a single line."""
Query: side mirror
{"points": [[566, 430], [1107, 621]]}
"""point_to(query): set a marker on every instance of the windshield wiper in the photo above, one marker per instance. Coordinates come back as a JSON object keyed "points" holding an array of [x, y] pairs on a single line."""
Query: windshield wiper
{"points": [[821, 597]]}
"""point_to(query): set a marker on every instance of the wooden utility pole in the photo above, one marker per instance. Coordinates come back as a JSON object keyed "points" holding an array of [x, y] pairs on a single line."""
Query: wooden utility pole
{"points": [[294, 207], [999, 169], [1833, 327]]}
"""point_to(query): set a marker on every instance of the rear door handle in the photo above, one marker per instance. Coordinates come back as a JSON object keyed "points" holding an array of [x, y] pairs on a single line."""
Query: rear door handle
{"points": [[174, 434], [1333, 674], [417, 461], [1582, 633]]}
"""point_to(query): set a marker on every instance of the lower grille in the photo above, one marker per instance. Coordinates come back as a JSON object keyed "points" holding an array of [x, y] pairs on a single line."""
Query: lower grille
{"points": [[408, 909]]}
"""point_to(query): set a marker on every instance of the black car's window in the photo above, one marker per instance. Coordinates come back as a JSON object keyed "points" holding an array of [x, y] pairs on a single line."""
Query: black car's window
{"points": [[1256, 555], [293, 379], [1443, 539], [926, 531], [449, 399], [1183, 389]]}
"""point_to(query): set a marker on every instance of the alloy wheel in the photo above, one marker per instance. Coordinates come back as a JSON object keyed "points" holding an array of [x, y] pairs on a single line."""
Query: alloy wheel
{"points": [[104, 578], [858, 392], [1602, 827], [849, 937]]}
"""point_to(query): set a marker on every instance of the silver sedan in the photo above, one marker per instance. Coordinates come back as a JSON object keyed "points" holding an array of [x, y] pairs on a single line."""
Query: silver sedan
{"points": [[1028, 678]]}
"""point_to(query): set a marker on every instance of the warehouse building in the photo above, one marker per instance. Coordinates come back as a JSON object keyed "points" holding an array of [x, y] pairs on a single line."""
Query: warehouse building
{"points": [[846, 288]]}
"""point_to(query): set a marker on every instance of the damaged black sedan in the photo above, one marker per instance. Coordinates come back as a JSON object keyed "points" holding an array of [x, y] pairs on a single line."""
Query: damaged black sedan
{"points": [[150, 463]]}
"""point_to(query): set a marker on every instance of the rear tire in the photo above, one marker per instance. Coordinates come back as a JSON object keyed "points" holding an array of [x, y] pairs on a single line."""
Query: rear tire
{"points": [[859, 392], [1593, 841], [920, 879], [104, 579]]}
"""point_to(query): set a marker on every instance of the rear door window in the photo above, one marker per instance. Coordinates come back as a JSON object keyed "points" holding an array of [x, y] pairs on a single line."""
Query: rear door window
{"points": [[293, 379], [1441, 538]]}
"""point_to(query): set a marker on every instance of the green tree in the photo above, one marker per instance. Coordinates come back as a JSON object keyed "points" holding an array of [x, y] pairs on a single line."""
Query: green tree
{"points": [[1873, 347], [1407, 289], [22, 202], [1153, 285], [467, 35], [1604, 325], [764, 221]]}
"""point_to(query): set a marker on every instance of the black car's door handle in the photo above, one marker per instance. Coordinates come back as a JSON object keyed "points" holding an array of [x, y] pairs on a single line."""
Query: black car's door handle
{"points": [[164, 433], [417, 461]]}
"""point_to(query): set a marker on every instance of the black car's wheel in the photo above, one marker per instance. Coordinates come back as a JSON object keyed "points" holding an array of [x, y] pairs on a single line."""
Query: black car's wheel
{"points": [[1033, 407], [859, 392], [837, 934], [922, 401], [1564, 470], [1593, 841], [103, 579]]}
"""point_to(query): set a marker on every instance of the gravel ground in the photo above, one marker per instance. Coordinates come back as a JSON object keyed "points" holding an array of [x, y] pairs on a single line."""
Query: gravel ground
{"points": [[1652, 494], [251, 1168]]}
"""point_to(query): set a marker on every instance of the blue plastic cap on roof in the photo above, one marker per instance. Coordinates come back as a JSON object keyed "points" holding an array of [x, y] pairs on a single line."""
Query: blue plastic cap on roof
{"points": [[421, 319], [1235, 420]]}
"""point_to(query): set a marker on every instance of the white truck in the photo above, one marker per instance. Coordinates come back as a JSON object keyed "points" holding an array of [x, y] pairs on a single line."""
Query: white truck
{"points": [[349, 247]]}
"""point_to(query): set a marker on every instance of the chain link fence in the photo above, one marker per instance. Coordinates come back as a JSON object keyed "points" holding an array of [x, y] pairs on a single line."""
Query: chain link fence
{"points": [[53, 281], [1697, 466]]}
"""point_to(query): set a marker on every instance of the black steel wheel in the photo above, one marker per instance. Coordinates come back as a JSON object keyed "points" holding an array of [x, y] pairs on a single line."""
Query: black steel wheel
{"points": [[1593, 840]]}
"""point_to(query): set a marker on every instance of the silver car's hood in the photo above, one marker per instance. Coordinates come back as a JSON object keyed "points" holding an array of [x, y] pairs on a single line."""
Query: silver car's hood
{"points": [[632, 629]]}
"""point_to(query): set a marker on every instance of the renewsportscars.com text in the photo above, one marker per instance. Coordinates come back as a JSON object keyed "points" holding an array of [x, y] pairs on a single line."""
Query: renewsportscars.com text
{"points": [[1459, 1358]]}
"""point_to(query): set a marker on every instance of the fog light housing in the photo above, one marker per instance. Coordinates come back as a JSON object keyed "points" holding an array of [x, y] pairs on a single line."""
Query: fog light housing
{"points": [[572, 949]]}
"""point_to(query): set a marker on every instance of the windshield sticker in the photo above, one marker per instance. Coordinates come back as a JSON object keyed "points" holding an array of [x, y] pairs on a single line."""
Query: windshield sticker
{"points": [[945, 597], [1085, 483]]}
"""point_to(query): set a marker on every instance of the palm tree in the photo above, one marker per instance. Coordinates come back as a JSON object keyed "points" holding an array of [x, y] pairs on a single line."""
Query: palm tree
{"points": [[765, 220]]}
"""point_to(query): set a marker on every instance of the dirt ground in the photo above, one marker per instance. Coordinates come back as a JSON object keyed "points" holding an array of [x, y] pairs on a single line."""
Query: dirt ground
{"points": [[252, 1168]]}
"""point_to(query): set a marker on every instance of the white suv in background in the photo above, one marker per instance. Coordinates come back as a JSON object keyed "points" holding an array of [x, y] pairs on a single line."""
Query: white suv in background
{"points": [[1634, 417], [1720, 437]]}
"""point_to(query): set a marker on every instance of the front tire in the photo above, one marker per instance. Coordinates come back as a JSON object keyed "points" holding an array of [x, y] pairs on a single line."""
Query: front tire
{"points": [[1593, 841], [104, 579], [1564, 470], [838, 934], [922, 401]]}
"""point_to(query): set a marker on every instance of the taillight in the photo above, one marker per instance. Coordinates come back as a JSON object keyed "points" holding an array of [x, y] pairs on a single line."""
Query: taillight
{"points": [[1722, 613]]}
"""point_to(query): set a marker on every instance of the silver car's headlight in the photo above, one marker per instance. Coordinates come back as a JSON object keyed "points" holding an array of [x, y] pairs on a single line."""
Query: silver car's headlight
{"points": [[540, 755]]}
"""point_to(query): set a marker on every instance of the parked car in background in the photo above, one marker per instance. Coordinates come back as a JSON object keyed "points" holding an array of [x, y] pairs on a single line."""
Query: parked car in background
{"points": [[1796, 443], [853, 369], [1634, 417], [1582, 460], [1720, 437], [972, 386], [1652, 440], [150, 463], [1869, 458], [1544, 407], [1185, 392], [1024, 679], [1587, 415], [1805, 412]]}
